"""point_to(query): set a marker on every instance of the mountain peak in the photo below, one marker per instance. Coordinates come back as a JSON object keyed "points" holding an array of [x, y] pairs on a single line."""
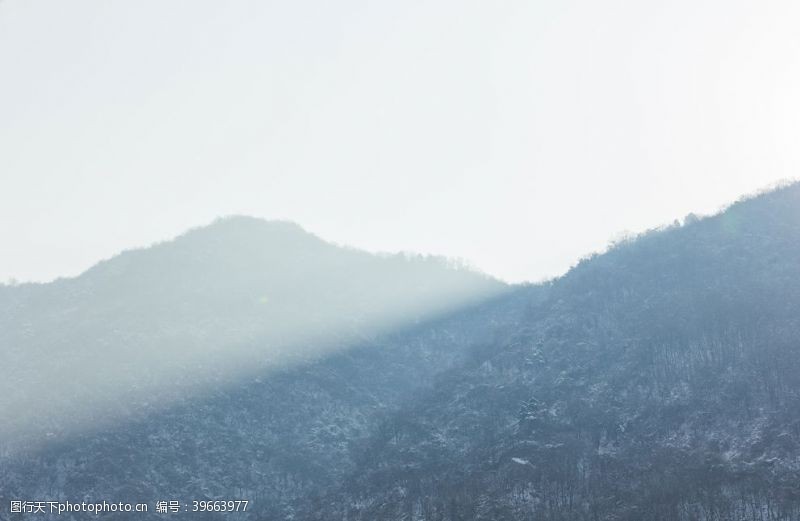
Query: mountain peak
{"points": [[237, 228], [250, 223]]}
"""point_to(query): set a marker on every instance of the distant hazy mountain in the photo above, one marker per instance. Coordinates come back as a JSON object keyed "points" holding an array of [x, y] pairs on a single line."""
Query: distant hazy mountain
{"points": [[217, 304], [250, 360]]}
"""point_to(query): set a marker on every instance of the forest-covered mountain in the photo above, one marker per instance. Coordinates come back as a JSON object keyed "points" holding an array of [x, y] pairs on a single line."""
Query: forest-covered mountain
{"points": [[657, 381]]}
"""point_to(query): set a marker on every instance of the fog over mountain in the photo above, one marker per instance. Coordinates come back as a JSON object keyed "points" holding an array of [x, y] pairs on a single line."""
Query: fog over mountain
{"points": [[215, 305], [659, 380]]}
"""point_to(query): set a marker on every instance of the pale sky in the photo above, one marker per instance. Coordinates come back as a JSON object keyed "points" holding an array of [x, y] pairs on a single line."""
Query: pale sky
{"points": [[516, 135]]}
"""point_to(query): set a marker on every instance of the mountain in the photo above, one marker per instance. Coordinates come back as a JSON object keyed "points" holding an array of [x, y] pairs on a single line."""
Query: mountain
{"points": [[245, 358], [219, 304], [659, 380]]}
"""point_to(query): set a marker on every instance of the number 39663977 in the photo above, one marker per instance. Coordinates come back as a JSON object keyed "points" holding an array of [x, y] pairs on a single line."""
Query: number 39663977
{"points": [[238, 505]]}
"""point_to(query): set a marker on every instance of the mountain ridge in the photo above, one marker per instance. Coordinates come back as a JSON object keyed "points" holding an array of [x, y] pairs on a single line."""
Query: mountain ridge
{"points": [[656, 381]]}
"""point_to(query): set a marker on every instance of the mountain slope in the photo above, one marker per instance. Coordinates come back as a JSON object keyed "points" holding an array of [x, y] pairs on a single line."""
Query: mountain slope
{"points": [[277, 438], [658, 381]]}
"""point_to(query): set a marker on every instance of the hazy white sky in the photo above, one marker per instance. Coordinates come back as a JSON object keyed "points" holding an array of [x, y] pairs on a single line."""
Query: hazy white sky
{"points": [[518, 135]]}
